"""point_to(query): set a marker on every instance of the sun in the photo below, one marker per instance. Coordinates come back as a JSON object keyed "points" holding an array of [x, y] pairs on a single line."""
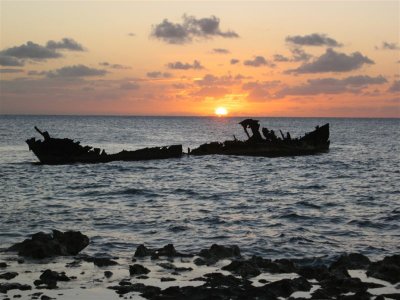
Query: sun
{"points": [[221, 111]]}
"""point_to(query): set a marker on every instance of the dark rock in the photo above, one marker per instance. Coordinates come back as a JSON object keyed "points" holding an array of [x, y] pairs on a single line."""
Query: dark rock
{"points": [[137, 269], [108, 274], [3, 265], [220, 252], [199, 261], [318, 272], [49, 275], [42, 245], [104, 261], [286, 287], [44, 297], [73, 264], [5, 287], [167, 266], [387, 269], [142, 251], [356, 296], [334, 286], [8, 275], [218, 279], [164, 279], [146, 291], [277, 266], [243, 268], [142, 277], [320, 294], [392, 296], [351, 261], [167, 250], [263, 281]]}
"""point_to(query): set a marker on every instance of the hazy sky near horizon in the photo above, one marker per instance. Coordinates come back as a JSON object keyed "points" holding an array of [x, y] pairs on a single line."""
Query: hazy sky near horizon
{"points": [[261, 58]]}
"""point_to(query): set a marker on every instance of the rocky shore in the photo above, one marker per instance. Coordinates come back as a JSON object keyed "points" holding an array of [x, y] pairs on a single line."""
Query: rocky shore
{"points": [[52, 266]]}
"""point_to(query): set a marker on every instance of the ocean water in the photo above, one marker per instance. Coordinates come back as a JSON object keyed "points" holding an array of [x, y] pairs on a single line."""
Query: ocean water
{"points": [[347, 200]]}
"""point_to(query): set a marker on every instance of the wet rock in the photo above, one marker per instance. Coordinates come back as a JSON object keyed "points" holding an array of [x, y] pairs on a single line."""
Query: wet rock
{"points": [[336, 286], [5, 287], [167, 250], [108, 274], [73, 264], [277, 266], [8, 275], [285, 287], [104, 262], [218, 279], [165, 279], [3, 265], [137, 269], [167, 266], [137, 287], [142, 251], [220, 252], [142, 277], [351, 261], [356, 296], [392, 296], [387, 269], [42, 245], [199, 261], [45, 297], [49, 275], [243, 268], [318, 272]]}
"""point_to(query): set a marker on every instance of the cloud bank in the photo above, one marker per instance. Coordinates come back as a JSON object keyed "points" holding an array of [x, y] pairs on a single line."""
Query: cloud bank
{"points": [[332, 61], [191, 28], [314, 39]]}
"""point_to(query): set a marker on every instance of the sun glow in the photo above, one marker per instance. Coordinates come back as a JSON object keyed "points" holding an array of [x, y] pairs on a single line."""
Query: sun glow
{"points": [[221, 111]]}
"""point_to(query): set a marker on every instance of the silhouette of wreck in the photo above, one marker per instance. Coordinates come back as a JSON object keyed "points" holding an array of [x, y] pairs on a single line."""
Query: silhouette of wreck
{"points": [[66, 151], [271, 145]]}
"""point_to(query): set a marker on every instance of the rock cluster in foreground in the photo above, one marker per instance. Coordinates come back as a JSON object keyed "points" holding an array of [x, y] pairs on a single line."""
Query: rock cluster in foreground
{"points": [[235, 280]]}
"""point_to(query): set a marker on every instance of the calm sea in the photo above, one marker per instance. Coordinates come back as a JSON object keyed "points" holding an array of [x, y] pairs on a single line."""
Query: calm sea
{"points": [[344, 200]]}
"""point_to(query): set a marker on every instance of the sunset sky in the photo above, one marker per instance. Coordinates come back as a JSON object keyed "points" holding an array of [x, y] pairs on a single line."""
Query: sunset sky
{"points": [[263, 58]]}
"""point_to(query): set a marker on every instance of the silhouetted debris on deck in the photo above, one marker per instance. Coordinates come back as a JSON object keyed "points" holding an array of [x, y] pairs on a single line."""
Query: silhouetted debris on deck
{"points": [[271, 145], [65, 151]]}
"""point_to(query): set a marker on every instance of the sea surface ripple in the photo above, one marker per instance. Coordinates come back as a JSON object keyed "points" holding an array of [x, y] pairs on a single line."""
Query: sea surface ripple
{"points": [[347, 200]]}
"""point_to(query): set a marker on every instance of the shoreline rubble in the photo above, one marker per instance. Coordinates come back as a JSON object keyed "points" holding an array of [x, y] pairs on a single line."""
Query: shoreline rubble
{"points": [[219, 272]]}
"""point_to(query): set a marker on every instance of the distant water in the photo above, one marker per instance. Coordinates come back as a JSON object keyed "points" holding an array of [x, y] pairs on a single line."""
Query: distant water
{"points": [[345, 200]]}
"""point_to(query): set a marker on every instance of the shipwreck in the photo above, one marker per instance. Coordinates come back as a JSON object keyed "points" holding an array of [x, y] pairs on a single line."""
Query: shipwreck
{"points": [[66, 151], [270, 145]]}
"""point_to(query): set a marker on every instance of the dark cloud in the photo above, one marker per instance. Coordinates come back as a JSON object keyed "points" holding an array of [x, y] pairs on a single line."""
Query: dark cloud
{"points": [[185, 66], [234, 61], [158, 74], [258, 61], [131, 34], [332, 61], [37, 73], [114, 66], [211, 80], [129, 86], [299, 54], [11, 70], [190, 28], [388, 46], [314, 39], [31, 50], [352, 84], [280, 58], [9, 61], [65, 44], [75, 71], [221, 51], [395, 87]]}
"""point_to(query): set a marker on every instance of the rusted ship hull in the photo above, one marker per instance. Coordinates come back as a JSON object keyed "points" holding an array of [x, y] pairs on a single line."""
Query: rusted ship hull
{"points": [[65, 151], [312, 143]]}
